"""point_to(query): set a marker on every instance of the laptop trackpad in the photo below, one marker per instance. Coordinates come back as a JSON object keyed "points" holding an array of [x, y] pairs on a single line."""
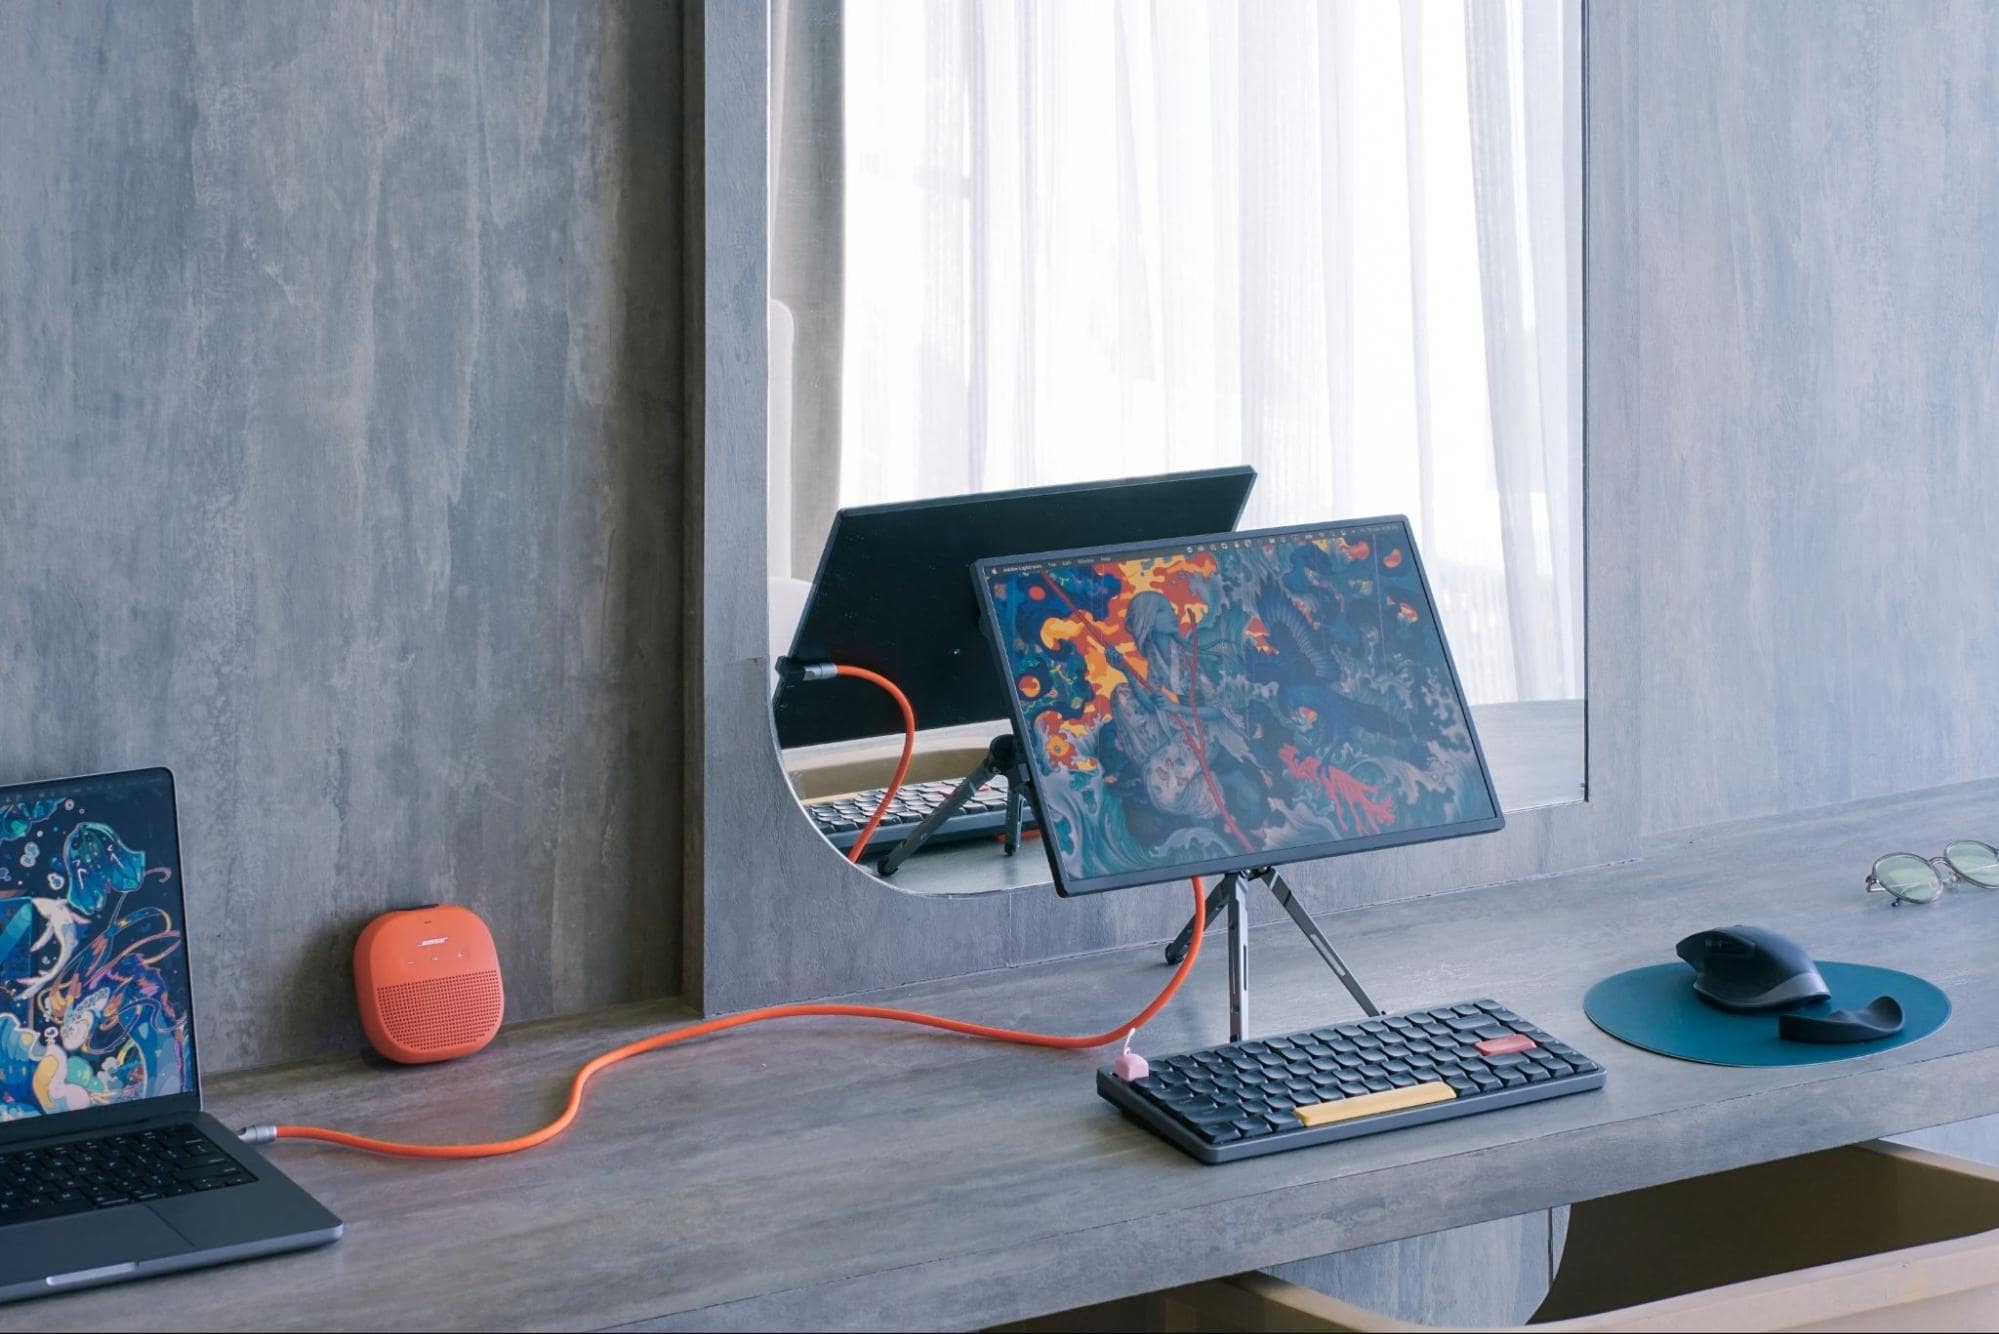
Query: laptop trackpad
{"points": [[76, 1243]]}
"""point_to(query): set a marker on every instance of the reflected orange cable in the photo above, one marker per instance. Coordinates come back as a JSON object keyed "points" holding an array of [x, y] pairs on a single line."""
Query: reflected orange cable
{"points": [[901, 769]]}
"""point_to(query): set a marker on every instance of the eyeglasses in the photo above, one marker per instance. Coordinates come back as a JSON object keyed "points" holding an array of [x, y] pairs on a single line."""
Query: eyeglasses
{"points": [[1912, 879]]}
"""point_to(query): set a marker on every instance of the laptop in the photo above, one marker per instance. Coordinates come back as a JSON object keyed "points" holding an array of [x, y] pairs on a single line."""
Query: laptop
{"points": [[109, 1168]]}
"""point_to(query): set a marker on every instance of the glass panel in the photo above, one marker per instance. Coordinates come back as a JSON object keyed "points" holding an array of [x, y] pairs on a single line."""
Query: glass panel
{"points": [[1339, 242]]}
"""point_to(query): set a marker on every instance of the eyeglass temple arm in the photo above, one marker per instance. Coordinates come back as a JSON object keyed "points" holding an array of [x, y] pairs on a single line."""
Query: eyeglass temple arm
{"points": [[1876, 887]]}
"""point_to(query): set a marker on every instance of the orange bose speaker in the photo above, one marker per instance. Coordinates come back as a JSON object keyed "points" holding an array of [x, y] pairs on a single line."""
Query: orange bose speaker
{"points": [[427, 981]]}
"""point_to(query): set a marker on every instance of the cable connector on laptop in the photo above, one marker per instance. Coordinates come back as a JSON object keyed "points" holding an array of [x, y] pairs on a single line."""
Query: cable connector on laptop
{"points": [[257, 1134], [790, 671]]}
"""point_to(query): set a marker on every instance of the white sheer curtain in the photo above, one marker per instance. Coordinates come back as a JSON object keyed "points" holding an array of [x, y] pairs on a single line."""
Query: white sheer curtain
{"points": [[1338, 241]]}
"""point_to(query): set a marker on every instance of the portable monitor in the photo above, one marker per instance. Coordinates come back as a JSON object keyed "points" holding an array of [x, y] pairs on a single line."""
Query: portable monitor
{"points": [[1230, 702]]}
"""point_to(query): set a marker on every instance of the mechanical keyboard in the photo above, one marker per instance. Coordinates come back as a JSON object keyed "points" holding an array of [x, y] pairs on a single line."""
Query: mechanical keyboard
{"points": [[80, 1174], [1264, 1096], [841, 819]]}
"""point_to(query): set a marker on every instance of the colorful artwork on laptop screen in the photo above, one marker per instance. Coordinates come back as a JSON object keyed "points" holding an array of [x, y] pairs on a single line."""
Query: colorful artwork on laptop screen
{"points": [[1237, 700], [93, 972]]}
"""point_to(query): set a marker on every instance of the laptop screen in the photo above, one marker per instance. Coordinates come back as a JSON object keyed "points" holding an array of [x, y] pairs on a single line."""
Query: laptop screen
{"points": [[1233, 702], [94, 997]]}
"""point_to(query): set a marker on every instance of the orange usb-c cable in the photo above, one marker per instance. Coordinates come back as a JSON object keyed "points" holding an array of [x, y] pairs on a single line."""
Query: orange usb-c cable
{"points": [[534, 1138]]}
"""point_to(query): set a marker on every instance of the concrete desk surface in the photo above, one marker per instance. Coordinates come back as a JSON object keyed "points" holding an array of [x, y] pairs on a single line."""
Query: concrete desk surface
{"points": [[837, 1173]]}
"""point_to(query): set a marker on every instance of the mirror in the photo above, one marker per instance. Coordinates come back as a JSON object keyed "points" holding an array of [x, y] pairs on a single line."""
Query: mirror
{"points": [[1019, 244]]}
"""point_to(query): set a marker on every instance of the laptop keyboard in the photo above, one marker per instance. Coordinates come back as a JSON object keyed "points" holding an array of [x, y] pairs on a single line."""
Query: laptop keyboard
{"points": [[77, 1175]]}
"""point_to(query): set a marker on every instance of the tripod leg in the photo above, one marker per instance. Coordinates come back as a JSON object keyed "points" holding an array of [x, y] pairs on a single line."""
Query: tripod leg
{"points": [[1218, 899], [1012, 842], [1238, 958], [902, 851], [1319, 941]]}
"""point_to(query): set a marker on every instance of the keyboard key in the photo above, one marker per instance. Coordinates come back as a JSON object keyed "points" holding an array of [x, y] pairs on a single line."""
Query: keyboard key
{"points": [[1417, 1095], [1512, 1042]]}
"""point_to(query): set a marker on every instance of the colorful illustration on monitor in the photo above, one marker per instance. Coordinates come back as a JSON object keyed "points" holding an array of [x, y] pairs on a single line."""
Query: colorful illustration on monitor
{"points": [[1236, 702], [93, 970]]}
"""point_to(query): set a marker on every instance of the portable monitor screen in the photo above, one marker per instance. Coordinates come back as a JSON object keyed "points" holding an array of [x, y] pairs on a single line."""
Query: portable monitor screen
{"points": [[1236, 701], [94, 998]]}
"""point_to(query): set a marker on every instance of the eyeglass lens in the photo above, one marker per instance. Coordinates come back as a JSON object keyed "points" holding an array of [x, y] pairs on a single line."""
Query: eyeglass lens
{"points": [[1909, 877], [1975, 861]]}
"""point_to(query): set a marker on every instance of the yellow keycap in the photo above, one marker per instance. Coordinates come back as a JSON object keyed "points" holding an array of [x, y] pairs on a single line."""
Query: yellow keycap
{"points": [[1372, 1104]]}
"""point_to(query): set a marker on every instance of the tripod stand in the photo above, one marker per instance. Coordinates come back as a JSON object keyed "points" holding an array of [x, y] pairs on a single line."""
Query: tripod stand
{"points": [[1232, 894], [1002, 759]]}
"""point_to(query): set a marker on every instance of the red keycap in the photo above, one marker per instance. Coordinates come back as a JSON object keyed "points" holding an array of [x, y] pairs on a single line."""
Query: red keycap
{"points": [[1501, 1046]]}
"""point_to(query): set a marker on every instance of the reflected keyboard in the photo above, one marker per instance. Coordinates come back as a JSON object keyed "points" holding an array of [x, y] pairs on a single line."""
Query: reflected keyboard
{"points": [[840, 819], [1290, 1092]]}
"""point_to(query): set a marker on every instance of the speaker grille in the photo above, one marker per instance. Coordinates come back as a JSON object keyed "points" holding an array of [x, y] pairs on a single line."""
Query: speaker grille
{"points": [[444, 1012]]}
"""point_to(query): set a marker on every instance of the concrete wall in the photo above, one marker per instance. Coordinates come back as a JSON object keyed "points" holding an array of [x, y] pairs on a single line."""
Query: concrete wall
{"points": [[342, 431], [1817, 376]]}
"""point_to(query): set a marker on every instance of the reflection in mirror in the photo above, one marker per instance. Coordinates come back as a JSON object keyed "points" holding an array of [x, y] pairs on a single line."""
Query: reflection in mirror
{"points": [[1017, 244]]}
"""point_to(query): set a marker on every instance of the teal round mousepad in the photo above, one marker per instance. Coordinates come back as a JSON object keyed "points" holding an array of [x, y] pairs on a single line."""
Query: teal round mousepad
{"points": [[1656, 1008]]}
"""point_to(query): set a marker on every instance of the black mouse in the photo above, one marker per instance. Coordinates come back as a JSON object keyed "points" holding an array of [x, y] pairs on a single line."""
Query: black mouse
{"points": [[1749, 968]]}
